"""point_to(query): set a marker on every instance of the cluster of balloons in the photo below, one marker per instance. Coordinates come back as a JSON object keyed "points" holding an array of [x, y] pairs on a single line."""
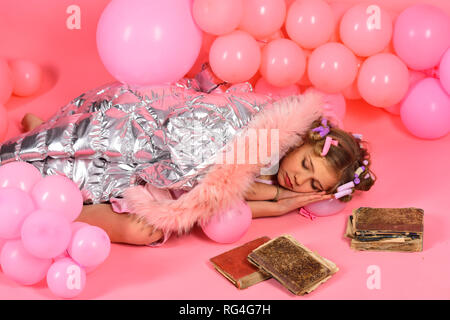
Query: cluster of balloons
{"points": [[19, 77], [38, 236]]}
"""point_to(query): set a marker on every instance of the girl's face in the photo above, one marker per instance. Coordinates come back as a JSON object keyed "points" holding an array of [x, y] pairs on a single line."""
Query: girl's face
{"points": [[302, 171]]}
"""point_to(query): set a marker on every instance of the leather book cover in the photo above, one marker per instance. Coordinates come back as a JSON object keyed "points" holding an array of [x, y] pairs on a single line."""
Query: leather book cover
{"points": [[234, 266], [296, 267], [389, 219]]}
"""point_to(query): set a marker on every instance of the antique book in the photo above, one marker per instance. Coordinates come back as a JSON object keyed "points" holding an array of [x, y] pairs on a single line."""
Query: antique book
{"points": [[296, 267], [386, 229], [234, 266]]}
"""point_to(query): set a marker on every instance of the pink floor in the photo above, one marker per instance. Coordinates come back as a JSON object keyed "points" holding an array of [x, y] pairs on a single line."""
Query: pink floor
{"points": [[411, 173]]}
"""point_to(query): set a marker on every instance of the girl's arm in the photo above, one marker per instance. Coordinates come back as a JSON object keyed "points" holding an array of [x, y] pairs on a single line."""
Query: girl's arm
{"points": [[263, 191], [265, 209]]}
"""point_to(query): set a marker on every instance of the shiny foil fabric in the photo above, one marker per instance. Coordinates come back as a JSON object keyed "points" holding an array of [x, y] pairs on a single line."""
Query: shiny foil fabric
{"points": [[116, 136]]}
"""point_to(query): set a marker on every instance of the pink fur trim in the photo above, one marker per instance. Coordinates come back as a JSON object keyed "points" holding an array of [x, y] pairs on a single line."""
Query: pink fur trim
{"points": [[224, 184]]}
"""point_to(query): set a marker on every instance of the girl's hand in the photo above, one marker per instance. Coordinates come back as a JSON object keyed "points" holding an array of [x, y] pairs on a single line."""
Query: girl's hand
{"points": [[300, 200], [286, 193]]}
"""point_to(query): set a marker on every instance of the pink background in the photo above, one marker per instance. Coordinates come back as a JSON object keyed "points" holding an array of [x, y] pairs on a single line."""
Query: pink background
{"points": [[411, 173]]}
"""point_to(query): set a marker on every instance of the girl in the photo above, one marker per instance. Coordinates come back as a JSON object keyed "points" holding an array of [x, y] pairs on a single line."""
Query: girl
{"points": [[325, 158]]}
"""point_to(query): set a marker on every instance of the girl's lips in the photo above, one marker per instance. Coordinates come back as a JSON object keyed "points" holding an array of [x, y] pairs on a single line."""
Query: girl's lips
{"points": [[287, 180]]}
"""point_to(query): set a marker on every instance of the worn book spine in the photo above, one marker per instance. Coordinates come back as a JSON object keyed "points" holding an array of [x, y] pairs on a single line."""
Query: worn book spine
{"points": [[407, 246]]}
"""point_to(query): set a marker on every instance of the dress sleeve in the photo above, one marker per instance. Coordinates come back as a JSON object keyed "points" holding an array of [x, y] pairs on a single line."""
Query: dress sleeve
{"points": [[119, 205]]}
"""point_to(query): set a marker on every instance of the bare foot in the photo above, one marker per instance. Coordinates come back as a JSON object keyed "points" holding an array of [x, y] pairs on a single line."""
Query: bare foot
{"points": [[30, 122]]}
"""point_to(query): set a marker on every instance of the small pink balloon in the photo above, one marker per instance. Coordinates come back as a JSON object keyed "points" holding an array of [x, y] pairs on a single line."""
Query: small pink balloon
{"points": [[425, 111], [4, 123], [19, 174], [217, 16], [21, 266], [383, 80], [366, 29], [230, 225], [26, 77], [90, 246], [235, 57], [145, 43], [59, 194], [414, 77], [263, 87], [65, 278], [46, 234], [421, 36], [15, 206], [310, 23], [326, 208], [332, 67], [282, 63], [262, 18], [6, 84], [444, 71]]}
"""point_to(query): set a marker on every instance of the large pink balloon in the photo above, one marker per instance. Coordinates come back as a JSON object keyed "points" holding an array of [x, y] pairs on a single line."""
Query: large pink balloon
{"points": [[46, 234], [414, 77], [229, 226], [425, 112], [217, 16], [15, 206], [421, 36], [89, 246], [262, 18], [366, 29], [310, 23], [282, 63], [6, 84], [148, 42], [326, 208], [58, 194], [332, 67], [444, 71], [20, 265], [19, 174], [235, 57], [383, 80], [65, 278], [26, 76], [263, 87]]}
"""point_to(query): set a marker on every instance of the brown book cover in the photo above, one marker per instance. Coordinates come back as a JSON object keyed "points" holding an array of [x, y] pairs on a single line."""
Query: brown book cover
{"points": [[386, 229], [234, 265], [296, 267]]}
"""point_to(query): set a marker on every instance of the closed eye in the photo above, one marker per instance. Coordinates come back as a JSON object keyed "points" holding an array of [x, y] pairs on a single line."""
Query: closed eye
{"points": [[312, 181]]}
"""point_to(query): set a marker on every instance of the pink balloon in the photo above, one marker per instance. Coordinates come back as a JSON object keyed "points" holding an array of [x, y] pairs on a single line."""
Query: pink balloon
{"points": [[58, 194], [414, 77], [383, 80], [310, 23], [366, 29], [332, 67], [20, 265], [15, 206], [263, 87], [6, 84], [261, 18], [421, 36], [90, 246], [65, 278], [425, 112], [148, 42], [46, 234], [19, 174], [326, 208], [235, 57], [26, 77], [217, 16], [282, 63], [444, 71], [4, 123], [229, 226]]}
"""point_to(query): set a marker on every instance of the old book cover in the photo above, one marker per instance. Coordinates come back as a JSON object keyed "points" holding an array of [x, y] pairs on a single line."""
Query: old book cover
{"points": [[234, 265], [389, 219], [296, 267]]}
